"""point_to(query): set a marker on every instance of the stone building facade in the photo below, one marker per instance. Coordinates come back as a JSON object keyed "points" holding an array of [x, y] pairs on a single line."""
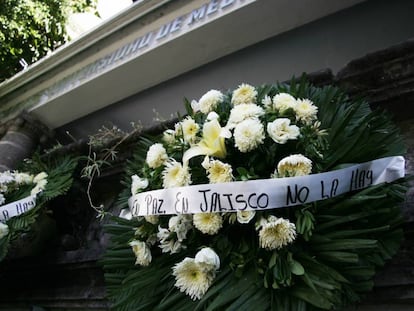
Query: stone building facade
{"points": [[66, 275]]}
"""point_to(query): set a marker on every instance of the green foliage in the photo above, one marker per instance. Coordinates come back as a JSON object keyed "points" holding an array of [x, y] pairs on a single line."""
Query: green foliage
{"points": [[354, 235], [30, 29], [341, 241], [59, 170], [4, 246]]}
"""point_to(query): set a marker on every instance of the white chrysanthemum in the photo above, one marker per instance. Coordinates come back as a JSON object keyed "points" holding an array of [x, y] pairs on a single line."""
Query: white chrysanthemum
{"points": [[167, 243], [267, 102], [6, 177], [142, 252], [276, 233], [168, 137], [138, 183], [173, 222], [244, 94], [208, 257], [3, 188], [242, 112], [40, 177], [175, 175], [218, 172], [4, 230], [40, 181], [208, 223], [244, 217], [192, 278], [171, 246], [2, 199], [156, 155], [283, 101], [212, 116], [189, 129], [248, 135], [180, 224], [40, 186], [152, 219], [294, 165], [195, 106], [163, 233], [209, 101], [23, 178], [306, 111], [281, 131]]}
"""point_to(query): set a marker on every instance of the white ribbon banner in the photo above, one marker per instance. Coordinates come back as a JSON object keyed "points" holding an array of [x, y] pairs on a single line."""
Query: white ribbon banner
{"points": [[263, 194], [17, 207]]}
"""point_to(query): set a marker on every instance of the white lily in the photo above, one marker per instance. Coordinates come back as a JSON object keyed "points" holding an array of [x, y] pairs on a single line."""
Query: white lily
{"points": [[212, 143]]}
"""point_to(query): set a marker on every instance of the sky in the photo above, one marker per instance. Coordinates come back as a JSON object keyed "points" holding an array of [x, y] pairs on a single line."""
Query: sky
{"points": [[79, 23]]}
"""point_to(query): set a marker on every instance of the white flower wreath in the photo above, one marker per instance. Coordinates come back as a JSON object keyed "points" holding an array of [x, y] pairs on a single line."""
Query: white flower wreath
{"points": [[319, 253], [12, 181], [23, 194]]}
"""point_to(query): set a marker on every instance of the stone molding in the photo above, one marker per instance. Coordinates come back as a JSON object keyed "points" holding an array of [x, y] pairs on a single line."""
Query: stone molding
{"points": [[19, 138]]}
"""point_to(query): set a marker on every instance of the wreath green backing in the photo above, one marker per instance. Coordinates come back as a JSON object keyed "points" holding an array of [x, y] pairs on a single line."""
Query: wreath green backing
{"points": [[341, 242]]}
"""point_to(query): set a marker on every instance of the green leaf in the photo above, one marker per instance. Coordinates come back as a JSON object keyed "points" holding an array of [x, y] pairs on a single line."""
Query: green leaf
{"points": [[4, 245], [296, 268], [234, 289], [362, 272], [272, 261], [354, 232], [311, 297], [345, 244], [345, 257]]}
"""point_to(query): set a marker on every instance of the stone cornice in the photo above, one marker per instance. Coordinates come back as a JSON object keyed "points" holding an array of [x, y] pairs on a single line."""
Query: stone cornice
{"points": [[163, 40]]}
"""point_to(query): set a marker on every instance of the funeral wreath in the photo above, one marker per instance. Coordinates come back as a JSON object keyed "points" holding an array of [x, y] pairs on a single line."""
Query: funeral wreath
{"points": [[272, 197], [24, 194]]}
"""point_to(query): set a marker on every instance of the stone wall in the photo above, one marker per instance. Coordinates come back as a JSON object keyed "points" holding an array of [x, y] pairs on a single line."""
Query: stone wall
{"points": [[386, 79], [67, 275]]}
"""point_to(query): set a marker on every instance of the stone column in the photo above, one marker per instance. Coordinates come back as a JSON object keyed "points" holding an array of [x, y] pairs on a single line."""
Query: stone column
{"points": [[18, 139]]}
